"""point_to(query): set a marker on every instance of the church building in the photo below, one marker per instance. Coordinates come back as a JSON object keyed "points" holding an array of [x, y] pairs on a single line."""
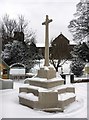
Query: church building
{"points": [[60, 48]]}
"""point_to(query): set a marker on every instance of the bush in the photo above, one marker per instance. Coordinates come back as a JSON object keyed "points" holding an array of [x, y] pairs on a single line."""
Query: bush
{"points": [[77, 67]]}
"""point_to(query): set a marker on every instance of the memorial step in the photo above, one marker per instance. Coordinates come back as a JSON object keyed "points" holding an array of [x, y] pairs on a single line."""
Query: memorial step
{"points": [[43, 82], [30, 100]]}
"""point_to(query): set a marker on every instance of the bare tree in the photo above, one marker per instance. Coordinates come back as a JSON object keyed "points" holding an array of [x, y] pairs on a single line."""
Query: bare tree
{"points": [[59, 51], [29, 35], [22, 24], [9, 26]]}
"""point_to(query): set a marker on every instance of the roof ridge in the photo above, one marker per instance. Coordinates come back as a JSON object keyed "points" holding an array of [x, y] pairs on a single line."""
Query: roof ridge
{"points": [[1, 60]]}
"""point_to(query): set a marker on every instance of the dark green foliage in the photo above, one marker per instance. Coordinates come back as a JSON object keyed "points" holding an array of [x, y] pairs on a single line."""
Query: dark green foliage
{"points": [[19, 52], [81, 51], [79, 27], [77, 67], [16, 37]]}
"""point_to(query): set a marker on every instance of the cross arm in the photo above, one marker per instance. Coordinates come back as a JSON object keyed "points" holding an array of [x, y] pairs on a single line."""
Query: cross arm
{"points": [[44, 23], [50, 20]]}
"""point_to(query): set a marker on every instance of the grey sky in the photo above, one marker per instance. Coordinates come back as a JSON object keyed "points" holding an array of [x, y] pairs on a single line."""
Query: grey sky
{"points": [[61, 11]]}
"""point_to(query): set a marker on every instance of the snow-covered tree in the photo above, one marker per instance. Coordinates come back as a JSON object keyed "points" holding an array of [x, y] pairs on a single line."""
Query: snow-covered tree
{"points": [[19, 52], [6, 54], [9, 26], [77, 67], [80, 55], [81, 51], [79, 26]]}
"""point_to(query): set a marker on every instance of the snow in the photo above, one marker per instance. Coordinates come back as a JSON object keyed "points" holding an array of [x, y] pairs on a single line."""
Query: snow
{"points": [[37, 67], [46, 68], [40, 45], [67, 79], [12, 109], [65, 96], [42, 79], [15, 71], [66, 67], [29, 96], [73, 43]]}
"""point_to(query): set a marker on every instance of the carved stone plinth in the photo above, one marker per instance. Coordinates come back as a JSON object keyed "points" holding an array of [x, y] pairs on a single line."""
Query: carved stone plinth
{"points": [[46, 72]]}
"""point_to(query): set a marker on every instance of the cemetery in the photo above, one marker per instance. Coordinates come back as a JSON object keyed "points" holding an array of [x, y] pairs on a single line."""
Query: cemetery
{"points": [[28, 110], [46, 85], [48, 81]]}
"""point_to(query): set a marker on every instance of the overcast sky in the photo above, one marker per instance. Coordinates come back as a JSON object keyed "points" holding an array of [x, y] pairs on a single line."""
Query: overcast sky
{"points": [[60, 11]]}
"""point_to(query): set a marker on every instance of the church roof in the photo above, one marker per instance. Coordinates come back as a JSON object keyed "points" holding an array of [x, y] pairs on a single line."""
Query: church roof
{"points": [[61, 36]]}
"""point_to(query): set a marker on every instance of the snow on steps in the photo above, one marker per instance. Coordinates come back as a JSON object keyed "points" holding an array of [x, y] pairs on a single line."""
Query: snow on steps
{"points": [[30, 97], [44, 82], [65, 99], [35, 90]]}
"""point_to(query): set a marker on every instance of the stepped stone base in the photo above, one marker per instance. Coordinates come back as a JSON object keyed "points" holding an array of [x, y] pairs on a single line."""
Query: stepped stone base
{"points": [[46, 91], [47, 99], [40, 82]]}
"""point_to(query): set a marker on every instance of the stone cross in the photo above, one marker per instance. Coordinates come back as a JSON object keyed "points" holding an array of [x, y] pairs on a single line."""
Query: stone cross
{"points": [[46, 23]]}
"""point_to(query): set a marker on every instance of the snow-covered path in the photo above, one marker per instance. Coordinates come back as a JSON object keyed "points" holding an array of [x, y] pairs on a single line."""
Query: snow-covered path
{"points": [[12, 109]]}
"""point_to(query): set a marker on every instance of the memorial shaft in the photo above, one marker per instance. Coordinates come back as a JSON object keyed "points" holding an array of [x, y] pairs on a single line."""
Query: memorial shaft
{"points": [[46, 23]]}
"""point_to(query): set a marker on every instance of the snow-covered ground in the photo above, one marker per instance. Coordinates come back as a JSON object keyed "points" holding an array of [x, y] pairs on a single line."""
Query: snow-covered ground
{"points": [[10, 107]]}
